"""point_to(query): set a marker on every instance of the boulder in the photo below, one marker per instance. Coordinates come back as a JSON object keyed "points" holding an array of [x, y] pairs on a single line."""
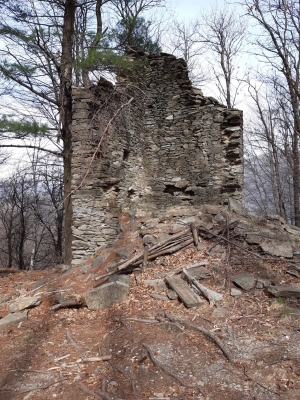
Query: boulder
{"points": [[235, 205], [120, 278], [284, 291], [106, 295], [124, 252], [277, 248], [263, 283], [14, 318], [245, 280], [157, 284], [24, 302], [235, 292]]}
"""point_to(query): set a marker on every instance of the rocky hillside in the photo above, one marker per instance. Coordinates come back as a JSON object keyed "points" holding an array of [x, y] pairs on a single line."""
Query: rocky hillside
{"points": [[203, 304]]}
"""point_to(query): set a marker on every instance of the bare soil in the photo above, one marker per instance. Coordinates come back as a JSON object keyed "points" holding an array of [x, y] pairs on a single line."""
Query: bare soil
{"points": [[151, 358]]}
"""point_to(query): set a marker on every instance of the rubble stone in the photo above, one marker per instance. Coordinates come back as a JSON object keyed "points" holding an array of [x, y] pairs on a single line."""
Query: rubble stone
{"points": [[24, 302], [13, 318], [106, 295], [244, 280]]}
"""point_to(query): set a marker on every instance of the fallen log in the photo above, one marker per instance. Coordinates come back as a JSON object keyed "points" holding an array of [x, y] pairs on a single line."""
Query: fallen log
{"points": [[211, 295]]}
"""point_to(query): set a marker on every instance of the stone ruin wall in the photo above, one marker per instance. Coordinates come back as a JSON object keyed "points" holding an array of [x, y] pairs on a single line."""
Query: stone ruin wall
{"points": [[171, 147]]}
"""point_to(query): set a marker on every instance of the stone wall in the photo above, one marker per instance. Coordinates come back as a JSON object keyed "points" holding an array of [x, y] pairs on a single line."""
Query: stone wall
{"points": [[170, 147]]}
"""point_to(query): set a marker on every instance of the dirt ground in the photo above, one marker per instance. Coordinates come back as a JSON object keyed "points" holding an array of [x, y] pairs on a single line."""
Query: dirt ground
{"points": [[49, 356]]}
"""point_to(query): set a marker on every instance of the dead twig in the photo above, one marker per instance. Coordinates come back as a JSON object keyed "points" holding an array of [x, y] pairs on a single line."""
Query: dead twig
{"points": [[98, 395], [94, 359], [146, 254], [206, 332], [70, 339]]}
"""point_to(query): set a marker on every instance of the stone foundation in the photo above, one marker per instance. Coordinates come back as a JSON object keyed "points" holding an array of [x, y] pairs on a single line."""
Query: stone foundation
{"points": [[170, 147]]}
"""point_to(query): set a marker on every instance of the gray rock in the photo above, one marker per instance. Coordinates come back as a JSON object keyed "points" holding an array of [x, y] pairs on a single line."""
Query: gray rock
{"points": [[219, 312], [157, 284], [24, 302], [235, 292], [5, 299], [124, 252], [120, 278], [217, 250], [219, 218], [148, 239], [199, 272], [106, 295], [213, 209], [85, 268], [235, 205], [275, 217], [262, 283], [284, 291], [13, 319], [159, 297], [99, 260], [172, 295], [245, 280], [294, 230], [253, 238], [277, 248], [39, 284]]}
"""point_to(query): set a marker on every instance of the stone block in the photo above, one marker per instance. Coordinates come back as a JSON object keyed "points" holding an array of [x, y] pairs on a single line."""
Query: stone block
{"points": [[245, 280], [106, 295], [277, 248], [14, 318], [24, 302]]}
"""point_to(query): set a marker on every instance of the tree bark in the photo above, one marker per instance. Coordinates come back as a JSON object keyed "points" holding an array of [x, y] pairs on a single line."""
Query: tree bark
{"points": [[66, 117]]}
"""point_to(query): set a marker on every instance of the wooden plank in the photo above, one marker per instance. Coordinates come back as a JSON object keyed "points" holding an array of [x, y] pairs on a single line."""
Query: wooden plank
{"points": [[184, 292]]}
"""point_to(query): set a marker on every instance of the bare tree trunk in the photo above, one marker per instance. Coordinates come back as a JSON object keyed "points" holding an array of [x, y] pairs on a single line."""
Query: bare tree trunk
{"points": [[66, 117]]}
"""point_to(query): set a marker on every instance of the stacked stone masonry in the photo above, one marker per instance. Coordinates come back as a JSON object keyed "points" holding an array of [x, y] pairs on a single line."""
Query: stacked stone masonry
{"points": [[170, 147]]}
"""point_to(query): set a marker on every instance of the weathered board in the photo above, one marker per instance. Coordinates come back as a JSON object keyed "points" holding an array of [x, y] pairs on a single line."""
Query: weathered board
{"points": [[185, 293]]}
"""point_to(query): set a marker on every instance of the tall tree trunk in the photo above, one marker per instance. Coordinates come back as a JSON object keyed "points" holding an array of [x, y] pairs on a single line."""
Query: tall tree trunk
{"points": [[296, 179], [66, 117]]}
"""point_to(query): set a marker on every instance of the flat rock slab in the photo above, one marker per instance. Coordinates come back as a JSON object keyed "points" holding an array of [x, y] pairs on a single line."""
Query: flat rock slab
{"points": [[107, 295], [124, 252], [199, 272], [185, 293], [120, 278], [24, 302], [284, 291], [157, 284], [245, 280], [277, 248], [14, 318]]}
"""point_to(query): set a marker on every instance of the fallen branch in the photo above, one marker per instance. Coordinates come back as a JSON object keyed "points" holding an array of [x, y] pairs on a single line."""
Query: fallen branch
{"points": [[98, 395], [208, 293], [206, 332], [70, 339], [68, 303], [171, 249], [195, 236], [94, 359], [146, 255]]}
